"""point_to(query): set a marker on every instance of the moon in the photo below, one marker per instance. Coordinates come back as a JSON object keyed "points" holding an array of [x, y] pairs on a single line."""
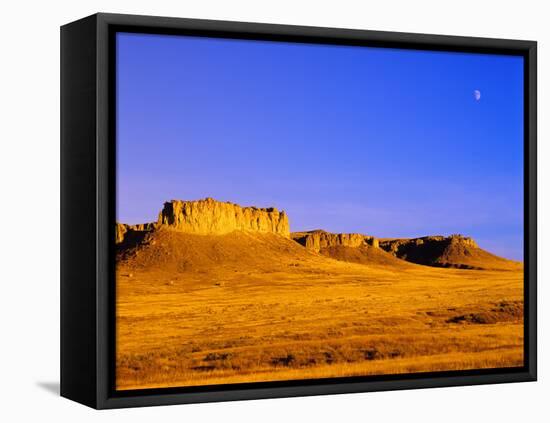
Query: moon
{"points": [[477, 95]]}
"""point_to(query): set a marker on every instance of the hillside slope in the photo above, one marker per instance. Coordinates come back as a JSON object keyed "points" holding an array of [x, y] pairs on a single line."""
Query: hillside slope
{"points": [[173, 250], [365, 254]]}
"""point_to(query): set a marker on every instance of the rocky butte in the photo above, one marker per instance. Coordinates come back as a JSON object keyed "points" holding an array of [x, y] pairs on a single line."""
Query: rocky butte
{"points": [[211, 217], [446, 251], [318, 239], [122, 229], [400, 247]]}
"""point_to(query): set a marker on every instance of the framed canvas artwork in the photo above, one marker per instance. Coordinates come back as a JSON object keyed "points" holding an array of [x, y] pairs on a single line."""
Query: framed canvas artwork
{"points": [[255, 211]]}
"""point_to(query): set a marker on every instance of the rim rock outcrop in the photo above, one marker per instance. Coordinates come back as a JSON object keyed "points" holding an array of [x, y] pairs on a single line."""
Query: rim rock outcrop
{"points": [[318, 239], [209, 216]]}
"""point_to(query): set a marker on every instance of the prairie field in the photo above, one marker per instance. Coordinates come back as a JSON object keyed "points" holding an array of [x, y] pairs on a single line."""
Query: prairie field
{"points": [[246, 307]]}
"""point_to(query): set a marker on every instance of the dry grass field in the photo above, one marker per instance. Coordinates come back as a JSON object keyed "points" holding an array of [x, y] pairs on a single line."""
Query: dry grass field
{"points": [[242, 307]]}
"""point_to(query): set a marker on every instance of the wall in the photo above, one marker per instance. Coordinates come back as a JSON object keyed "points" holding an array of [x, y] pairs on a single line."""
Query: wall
{"points": [[30, 185]]}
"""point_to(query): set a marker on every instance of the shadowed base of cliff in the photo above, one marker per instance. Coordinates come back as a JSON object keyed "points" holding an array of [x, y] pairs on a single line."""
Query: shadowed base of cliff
{"points": [[244, 306]]}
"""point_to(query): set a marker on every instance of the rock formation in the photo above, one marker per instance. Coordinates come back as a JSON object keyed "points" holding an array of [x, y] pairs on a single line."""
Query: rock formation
{"points": [[209, 216], [399, 245], [410, 248], [455, 251], [122, 230], [319, 239]]}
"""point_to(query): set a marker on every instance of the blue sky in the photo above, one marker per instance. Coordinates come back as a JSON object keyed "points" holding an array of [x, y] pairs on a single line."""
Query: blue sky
{"points": [[386, 142]]}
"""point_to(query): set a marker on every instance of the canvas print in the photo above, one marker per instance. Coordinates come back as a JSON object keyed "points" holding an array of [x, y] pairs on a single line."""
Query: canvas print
{"points": [[290, 211]]}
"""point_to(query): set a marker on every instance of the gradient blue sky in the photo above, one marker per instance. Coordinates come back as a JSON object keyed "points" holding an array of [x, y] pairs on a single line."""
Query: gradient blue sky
{"points": [[385, 142]]}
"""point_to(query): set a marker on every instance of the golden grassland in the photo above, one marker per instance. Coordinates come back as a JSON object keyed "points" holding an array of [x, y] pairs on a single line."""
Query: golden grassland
{"points": [[200, 310]]}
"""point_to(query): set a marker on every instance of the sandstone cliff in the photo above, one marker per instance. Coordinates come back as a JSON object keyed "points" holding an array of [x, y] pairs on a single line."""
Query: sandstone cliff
{"points": [[209, 216], [455, 251], [319, 239], [405, 246], [122, 230]]}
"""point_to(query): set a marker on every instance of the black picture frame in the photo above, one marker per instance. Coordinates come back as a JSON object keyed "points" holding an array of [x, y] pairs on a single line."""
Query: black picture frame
{"points": [[88, 210]]}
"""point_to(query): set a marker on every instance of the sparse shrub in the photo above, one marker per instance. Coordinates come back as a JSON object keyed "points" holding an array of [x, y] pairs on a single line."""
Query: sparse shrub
{"points": [[283, 361]]}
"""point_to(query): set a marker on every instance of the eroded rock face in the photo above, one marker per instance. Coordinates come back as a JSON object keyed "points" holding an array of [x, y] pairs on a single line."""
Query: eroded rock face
{"points": [[432, 250], [316, 240], [399, 247], [122, 230], [462, 240], [209, 216]]}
